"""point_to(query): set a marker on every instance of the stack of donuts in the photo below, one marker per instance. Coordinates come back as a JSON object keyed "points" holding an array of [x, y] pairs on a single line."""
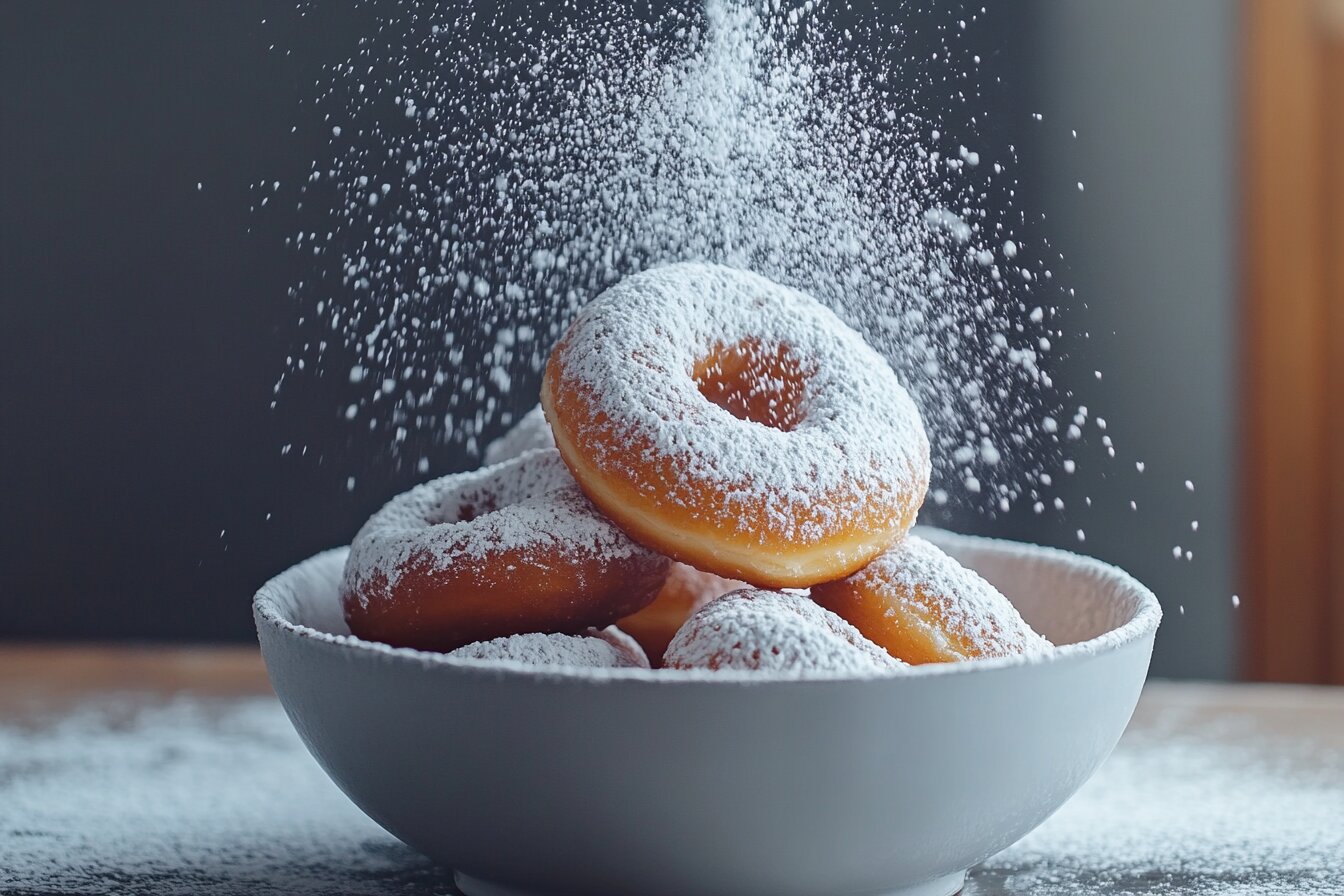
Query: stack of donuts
{"points": [[721, 475]]}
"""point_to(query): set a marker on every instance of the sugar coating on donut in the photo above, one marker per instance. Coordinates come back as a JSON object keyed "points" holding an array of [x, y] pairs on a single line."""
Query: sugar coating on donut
{"points": [[771, 631], [529, 503], [856, 434], [924, 606], [608, 648], [529, 433]]}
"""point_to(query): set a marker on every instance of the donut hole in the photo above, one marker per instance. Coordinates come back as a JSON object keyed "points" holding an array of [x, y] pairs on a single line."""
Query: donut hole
{"points": [[466, 510], [760, 383]]}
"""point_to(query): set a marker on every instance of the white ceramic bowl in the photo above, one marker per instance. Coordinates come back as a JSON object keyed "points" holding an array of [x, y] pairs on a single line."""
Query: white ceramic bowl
{"points": [[551, 781]]}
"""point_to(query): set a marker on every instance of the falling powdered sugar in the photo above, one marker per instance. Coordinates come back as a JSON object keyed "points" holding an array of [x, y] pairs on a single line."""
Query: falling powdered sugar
{"points": [[491, 178]]}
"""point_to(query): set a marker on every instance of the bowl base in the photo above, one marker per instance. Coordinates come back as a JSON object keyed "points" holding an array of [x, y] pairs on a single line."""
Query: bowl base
{"points": [[942, 886]]}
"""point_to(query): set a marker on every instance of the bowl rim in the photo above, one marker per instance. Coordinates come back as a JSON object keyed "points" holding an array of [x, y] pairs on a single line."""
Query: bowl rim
{"points": [[1142, 624]]}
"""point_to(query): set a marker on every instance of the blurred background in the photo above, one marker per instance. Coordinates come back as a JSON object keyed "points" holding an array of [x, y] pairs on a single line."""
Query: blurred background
{"points": [[144, 309]]}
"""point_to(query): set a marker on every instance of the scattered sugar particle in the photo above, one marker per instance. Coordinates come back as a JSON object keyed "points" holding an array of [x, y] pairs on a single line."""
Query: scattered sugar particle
{"points": [[1236, 601], [1082, 536], [1189, 486], [790, 160]]}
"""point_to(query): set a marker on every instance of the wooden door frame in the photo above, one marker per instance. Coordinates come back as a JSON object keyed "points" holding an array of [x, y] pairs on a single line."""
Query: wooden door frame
{"points": [[1293, 230]]}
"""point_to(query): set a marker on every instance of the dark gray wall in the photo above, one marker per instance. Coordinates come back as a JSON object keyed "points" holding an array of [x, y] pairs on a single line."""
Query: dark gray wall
{"points": [[1150, 86], [145, 320]]}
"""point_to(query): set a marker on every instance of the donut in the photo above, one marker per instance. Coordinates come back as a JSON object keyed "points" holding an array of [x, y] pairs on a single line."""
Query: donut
{"points": [[687, 589], [607, 648], [530, 432], [503, 550], [925, 607], [736, 425], [770, 631]]}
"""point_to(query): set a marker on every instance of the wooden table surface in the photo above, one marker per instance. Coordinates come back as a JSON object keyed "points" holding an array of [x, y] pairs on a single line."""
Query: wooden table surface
{"points": [[152, 770]]}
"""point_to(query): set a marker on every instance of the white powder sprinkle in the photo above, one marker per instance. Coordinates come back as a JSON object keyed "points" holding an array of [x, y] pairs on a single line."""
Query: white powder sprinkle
{"points": [[920, 580], [858, 441], [1187, 804], [605, 144], [774, 632], [608, 648], [527, 505], [220, 796]]}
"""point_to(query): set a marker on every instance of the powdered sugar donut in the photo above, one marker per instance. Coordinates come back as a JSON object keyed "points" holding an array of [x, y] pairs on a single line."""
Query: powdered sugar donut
{"points": [[736, 425], [506, 549], [529, 433], [770, 631], [687, 589], [608, 648], [925, 607]]}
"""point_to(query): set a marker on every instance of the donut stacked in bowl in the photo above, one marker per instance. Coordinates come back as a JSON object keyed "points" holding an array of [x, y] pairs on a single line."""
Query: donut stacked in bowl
{"points": [[721, 475]]}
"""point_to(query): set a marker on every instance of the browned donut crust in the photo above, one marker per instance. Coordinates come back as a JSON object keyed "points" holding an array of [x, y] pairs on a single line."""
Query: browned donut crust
{"points": [[504, 550]]}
